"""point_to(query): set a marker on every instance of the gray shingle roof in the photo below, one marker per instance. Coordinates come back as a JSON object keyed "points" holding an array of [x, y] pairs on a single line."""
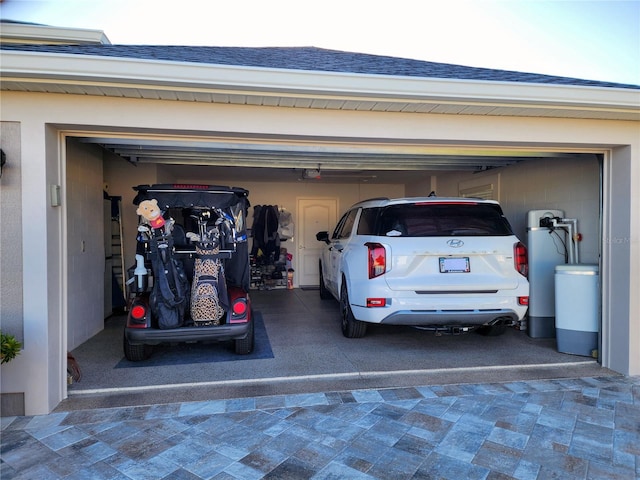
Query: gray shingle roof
{"points": [[311, 59]]}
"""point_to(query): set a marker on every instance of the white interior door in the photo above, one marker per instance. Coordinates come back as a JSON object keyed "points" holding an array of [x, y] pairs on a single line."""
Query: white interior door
{"points": [[314, 215]]}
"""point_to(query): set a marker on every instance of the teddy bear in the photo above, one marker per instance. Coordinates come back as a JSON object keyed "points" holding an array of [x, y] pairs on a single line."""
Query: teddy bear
{"points": [[150, 211]]}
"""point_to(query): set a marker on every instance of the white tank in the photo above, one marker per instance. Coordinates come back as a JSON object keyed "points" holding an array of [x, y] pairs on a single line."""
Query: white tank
{"points": [[577, 309], [546, 250]]}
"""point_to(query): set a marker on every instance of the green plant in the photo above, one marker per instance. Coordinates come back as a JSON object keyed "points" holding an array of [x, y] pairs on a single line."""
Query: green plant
{"points": [[10, 347]]}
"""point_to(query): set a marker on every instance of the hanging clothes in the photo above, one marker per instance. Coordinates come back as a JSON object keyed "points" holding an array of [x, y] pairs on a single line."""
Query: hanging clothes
{"points": [[286, 227], [256, 232], [265, 231]]}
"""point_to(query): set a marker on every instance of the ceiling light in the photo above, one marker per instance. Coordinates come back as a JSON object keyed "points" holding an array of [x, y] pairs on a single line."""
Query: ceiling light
{"points": [[311, 173]]}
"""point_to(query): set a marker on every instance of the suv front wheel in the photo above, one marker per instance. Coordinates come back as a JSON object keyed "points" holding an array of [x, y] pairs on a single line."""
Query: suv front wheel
{"points": [[351, 328], [325, 294]]}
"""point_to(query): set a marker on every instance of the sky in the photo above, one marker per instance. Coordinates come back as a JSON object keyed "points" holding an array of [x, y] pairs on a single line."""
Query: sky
{"points": [[595, 40]]}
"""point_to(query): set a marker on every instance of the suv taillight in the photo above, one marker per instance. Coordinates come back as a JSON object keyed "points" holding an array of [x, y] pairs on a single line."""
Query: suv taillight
{"points": [[520, 259], [377, 259]]}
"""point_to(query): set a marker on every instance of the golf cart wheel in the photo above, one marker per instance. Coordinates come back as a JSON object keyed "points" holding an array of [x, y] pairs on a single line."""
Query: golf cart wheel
{"points": [[324, 293], [351, 328], [136, 353], [244, 346]]}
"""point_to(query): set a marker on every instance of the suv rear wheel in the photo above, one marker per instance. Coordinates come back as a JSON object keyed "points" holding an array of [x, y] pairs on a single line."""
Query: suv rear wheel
{"points": [[351, 328]]}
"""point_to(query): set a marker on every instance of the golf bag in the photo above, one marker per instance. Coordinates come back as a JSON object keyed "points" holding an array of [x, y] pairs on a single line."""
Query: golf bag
{"points": [[170, 294], [209, 298]]}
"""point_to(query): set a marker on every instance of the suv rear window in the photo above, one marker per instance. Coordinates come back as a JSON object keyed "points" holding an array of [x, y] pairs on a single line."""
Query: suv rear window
{"points": [[438, 220]]}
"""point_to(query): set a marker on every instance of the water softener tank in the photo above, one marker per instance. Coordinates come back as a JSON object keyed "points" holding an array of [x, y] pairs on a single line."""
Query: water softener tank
{"points": [[546, 250], [577, 309]]}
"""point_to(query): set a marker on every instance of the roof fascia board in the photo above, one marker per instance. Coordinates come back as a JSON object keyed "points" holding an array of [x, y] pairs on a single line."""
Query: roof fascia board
{"points": [[45, 34], [183, 76]]}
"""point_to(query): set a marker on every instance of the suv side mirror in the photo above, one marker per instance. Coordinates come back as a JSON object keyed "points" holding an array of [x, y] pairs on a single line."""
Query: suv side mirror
{"points": [[323, 237]]}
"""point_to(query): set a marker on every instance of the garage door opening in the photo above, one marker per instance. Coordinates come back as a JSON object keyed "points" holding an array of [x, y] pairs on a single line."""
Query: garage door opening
{"points": [[534, 179]]}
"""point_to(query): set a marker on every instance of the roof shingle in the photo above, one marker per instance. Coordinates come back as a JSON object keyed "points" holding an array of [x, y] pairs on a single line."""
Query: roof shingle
{"points": [[310, 59]]}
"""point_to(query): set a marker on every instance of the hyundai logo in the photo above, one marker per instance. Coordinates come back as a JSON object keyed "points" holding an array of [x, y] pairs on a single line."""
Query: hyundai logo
{"points": [[455, 243]]}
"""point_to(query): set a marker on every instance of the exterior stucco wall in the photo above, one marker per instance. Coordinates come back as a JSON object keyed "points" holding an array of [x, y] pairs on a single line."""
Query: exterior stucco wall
{"points": [[40, 370], [11, 287], [45, 114], [11, 316]]}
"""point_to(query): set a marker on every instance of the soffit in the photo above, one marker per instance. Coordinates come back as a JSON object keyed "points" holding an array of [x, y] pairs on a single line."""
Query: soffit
{"points": [[360, 160]]}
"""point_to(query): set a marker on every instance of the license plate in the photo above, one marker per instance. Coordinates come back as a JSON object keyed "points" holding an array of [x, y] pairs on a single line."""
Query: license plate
{"points": [[454, 265]]}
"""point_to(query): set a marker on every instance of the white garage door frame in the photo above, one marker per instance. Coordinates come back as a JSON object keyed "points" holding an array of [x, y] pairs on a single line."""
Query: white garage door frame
{"points": [[617, 327], [48, 147], [614, 249]]}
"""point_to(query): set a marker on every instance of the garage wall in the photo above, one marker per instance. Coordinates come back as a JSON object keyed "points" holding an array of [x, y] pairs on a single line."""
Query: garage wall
{"points": [[121, 176], [568, 184], [286, 194], [85, 243]]}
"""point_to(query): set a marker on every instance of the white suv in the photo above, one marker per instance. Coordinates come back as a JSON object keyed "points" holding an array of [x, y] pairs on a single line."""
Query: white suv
{"points": [[448, 264]]}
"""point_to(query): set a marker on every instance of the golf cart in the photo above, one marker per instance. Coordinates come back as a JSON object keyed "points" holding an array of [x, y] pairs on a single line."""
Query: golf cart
{"points": [[191, 279]]}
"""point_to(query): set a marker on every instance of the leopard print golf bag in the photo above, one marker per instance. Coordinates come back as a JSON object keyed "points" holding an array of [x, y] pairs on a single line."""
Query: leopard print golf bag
{"points": [[208, 292]]}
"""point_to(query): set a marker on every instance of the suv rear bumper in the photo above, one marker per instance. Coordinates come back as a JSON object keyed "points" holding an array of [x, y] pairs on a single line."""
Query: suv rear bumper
{"points": [[474, 318], [155, 336]]}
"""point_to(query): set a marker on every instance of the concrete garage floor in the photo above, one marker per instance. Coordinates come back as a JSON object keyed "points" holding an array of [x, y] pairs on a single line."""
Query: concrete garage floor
{"points": [[310, 355]]}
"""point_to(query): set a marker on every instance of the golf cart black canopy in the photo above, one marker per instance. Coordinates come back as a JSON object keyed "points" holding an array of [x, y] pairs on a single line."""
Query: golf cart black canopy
{"points": [[192, 196]]}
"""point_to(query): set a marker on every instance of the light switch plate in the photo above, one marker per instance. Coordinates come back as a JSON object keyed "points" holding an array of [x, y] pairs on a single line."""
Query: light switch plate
{"points": [[55, 196]]}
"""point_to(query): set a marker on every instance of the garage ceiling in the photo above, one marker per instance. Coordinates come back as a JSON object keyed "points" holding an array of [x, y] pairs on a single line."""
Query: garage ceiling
{"points": [[344, 161]]}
